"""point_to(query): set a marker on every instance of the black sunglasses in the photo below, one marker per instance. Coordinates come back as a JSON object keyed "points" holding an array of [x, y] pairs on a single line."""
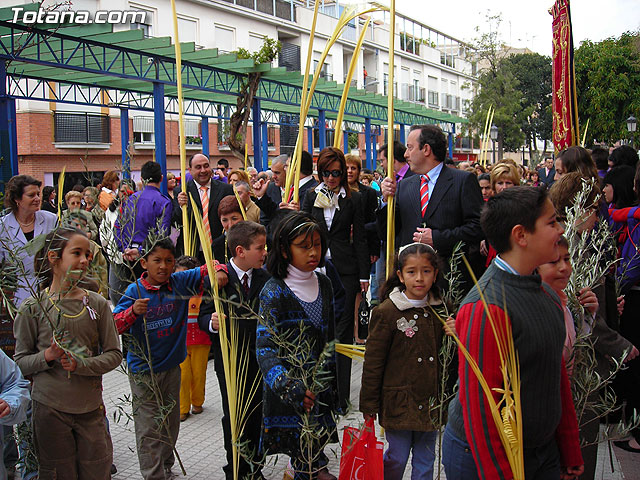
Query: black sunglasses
{"points": [[332, 173]]}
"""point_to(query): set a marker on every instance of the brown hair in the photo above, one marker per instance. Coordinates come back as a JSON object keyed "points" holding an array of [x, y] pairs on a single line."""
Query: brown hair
{"points": [[14, 189], [110, 177], [243, 234], [563, 192], [242, 175], [327, 157], [578, 159], [228, 205], [55, 241]]}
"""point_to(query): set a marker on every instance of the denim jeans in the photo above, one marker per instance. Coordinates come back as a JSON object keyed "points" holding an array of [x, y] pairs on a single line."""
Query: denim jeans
{"points": [[457, 458], [403, 442]]}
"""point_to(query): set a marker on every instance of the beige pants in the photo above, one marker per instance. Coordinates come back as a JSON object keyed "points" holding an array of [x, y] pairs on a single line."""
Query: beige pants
{"points": [[71, 446], [155, 446]]}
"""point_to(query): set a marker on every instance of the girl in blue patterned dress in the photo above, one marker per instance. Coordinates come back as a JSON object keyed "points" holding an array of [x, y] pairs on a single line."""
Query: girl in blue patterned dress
{"points": [[294, 349]]}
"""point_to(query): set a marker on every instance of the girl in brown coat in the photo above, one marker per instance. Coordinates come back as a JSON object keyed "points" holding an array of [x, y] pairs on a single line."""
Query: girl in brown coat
{"points": [[401, 367]]}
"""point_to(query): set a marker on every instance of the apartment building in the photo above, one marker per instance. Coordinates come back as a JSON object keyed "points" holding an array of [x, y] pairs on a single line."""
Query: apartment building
{"points": [[431, 69]]}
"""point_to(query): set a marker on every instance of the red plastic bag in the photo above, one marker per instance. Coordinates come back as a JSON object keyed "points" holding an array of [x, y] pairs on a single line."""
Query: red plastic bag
{"points": [[361, 457]]}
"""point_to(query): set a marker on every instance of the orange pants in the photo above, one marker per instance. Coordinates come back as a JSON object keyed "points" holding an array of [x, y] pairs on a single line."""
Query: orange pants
{"points": [[193, 377]]}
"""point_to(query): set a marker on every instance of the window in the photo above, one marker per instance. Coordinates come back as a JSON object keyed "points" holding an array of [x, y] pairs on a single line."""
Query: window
{"points": [[271, 135], [146, 25], [143, 130], [192, 132], [255, 42], [188, 30], [224, 125], [224, 38], [81, 128], [409, 43], [432, 97]]}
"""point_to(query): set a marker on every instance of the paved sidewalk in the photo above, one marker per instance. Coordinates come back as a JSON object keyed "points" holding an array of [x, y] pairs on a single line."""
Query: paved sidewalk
{"points": [[201, 449]]}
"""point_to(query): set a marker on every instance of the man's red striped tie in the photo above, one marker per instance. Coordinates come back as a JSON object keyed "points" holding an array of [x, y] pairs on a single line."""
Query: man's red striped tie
{"points": [[424, 193]]}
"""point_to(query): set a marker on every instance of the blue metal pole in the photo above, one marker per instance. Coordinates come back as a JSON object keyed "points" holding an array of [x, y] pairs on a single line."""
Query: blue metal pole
{"points": [[310, 140], [374, 146], [257, 130], [124, 142], [159, 132], [402, 134], [345, 140], [451, 142], [13, 135], [367, 142], [204, 129], [8, 135], [322, 130], [265, 147]]}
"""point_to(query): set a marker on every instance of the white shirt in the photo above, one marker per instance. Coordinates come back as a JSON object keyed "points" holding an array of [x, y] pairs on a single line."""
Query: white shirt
{"points": [[329, 212], [433, 174], [241, 273], [200, 192]]}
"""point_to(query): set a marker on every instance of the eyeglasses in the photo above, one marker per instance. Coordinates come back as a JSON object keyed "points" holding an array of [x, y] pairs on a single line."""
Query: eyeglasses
{"points": [[332, 173]]}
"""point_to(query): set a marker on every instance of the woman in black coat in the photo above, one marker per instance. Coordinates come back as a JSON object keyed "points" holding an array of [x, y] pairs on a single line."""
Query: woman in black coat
{"points": [[337, 209]]}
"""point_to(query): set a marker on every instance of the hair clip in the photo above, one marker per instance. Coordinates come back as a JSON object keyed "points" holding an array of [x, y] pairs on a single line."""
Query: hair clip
{"points": [[429, 247]]}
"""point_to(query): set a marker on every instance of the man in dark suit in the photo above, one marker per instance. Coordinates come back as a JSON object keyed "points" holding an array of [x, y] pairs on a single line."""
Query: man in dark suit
{"points": [[272, 212], [437, 206], [400, 164], [547, 173], [200, 188], [246, 278]]}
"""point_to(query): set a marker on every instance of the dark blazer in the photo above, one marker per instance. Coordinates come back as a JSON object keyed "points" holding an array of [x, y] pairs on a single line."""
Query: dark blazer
{"points": [[547, 179], [310, 185], [343, 250], [453, 212], [220, 253], [246, 317], [369, 202], [218, 191], [233, 289], [269, 203]]}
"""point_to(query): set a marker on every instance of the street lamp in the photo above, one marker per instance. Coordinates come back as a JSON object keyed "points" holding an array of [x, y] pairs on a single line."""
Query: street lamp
{"points": [[632, 123], [493, 133]]}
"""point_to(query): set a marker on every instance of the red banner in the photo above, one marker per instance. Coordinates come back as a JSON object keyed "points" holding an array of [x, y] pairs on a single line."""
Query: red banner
{"points": [[564, 101]]}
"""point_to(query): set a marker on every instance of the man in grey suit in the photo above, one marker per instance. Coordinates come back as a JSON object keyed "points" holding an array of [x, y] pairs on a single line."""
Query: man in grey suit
{"points": [[437, 206]]}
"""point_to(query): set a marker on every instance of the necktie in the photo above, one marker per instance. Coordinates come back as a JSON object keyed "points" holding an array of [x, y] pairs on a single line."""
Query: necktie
{"points": [[204, 199], [424, 193], [245, 283]]}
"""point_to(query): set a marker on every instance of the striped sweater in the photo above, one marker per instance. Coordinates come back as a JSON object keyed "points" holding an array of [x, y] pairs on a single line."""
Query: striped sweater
{"points": [[536, 317]]}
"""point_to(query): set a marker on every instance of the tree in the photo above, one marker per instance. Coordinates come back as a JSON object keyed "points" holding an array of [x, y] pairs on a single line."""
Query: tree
{"points": [[608, 85], [533, 73], [240, 117], [497, 86]]}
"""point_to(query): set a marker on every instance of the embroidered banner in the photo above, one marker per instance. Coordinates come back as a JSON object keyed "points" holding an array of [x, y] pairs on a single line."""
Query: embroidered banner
{"points": [[564, 101]]}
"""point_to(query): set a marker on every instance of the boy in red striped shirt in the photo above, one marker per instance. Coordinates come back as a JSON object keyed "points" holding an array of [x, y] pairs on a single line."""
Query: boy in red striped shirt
{"points": [[520, 223]]}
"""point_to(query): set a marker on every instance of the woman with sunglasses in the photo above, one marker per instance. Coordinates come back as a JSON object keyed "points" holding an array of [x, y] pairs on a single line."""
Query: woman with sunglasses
{"points": [[338, 209]]}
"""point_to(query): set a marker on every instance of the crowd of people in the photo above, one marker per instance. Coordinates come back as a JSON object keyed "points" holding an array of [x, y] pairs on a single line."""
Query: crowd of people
{"points": [[112, 260]]}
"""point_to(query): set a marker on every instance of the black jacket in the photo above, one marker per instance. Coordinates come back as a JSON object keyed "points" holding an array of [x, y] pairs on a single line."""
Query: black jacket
{"points": [[350, 256]]}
